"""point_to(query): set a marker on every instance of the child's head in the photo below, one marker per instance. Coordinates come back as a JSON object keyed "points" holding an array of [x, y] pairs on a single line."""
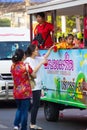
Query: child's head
{"points": [[78, 38], [60, 39], [69, 39]]}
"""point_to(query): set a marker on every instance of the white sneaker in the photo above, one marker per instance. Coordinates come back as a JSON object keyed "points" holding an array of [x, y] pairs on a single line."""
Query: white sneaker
{"points": [[15, 128], [35, 127], [38, 127]]}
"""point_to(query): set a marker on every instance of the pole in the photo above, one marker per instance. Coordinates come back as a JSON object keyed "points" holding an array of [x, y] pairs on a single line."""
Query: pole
{"points": [[85, 24], [31, 28], [54, 23]]}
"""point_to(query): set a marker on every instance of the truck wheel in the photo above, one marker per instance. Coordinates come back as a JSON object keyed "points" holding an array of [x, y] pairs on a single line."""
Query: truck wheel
{"points": [[51, 112]]}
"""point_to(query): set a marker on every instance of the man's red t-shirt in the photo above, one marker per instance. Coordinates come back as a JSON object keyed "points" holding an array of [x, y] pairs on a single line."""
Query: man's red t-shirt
{"points": [[45, 30]]}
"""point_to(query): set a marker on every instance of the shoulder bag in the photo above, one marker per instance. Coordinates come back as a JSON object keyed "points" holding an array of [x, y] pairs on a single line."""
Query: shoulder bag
{"points": [[40, 39], [31, 79]]}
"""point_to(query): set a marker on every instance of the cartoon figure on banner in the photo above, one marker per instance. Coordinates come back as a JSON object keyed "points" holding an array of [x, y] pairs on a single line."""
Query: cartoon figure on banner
{"points": [[80, 87], [57, 83]]}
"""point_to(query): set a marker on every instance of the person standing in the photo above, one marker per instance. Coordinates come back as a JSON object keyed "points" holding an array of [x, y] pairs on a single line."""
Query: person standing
{"points": [[22, 90], [45, 30], [36, 62]]}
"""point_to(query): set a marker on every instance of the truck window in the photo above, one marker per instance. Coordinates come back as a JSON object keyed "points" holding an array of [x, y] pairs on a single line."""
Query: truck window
{"points": [[7, 49]]}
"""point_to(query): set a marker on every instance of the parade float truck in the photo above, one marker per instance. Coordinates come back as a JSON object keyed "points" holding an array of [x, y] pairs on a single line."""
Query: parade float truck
{"points": [[64, 78], [10, 40]]}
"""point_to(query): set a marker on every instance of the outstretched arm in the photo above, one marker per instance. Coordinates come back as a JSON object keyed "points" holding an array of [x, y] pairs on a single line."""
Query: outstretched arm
{"points": [[48, 52], [39, 65]]}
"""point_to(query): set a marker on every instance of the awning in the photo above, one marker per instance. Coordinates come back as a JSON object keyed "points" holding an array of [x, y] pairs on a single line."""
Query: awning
{"points": [[64, 7]]}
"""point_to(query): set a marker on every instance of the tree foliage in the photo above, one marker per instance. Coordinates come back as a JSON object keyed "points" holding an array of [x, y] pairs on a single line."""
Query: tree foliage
{"points": [[5, 22], [70, 23]]}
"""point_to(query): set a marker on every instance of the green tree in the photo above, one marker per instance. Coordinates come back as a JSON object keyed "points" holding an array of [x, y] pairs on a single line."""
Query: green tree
{"points": [[70, 23], [5, 22]]}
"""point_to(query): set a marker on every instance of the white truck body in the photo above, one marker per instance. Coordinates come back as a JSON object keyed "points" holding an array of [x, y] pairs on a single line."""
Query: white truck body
{"points": [[10, 40]]}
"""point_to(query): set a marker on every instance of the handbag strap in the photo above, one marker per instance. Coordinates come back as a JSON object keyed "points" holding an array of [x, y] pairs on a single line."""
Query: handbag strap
{"points": [[47, 36], [27, 69]]}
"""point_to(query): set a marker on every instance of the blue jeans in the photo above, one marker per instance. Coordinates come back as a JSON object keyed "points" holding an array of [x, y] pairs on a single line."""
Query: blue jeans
{"points": [[21, 116]]}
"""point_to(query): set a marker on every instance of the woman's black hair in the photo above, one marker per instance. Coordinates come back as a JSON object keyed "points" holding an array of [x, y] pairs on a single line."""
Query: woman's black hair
{"points": [[30, 49], [41, 14], [18, 56]]}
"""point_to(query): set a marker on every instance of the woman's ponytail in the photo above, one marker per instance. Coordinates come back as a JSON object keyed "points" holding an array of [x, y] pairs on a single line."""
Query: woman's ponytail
{"points": [[18, 56]]}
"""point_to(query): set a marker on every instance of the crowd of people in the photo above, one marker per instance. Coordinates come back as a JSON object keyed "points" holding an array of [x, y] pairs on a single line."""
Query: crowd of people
{"points": [[44, 34], [22, 90], [70, 41]]}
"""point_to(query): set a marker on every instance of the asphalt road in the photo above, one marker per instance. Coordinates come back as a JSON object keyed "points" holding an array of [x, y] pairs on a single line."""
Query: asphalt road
{"points": [[71, 119]]}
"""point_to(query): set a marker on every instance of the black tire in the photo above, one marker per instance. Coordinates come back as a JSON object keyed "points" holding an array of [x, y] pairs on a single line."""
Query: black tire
{"points": [[51, 112]]}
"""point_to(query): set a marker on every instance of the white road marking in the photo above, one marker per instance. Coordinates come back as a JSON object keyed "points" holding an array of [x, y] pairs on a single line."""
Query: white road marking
{"points": [[3, 126]]}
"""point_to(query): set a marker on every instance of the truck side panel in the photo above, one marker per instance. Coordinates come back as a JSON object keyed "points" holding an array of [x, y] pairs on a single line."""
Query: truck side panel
{"points": [[64, 78]]}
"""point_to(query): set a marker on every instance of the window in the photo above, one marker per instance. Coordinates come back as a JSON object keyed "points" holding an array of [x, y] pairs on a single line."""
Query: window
{"points": [[7, 49]]}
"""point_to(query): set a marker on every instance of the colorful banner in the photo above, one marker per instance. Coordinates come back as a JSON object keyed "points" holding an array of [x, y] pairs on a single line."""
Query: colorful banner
{"points": [[11, 1], [64, 78]]}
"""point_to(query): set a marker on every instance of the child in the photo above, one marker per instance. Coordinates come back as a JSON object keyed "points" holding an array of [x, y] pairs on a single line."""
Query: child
{"points": [[69, 41], [78, 41], [67, 44]]}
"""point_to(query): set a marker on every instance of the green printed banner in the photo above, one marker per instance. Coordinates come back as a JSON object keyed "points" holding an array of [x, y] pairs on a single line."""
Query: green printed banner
{"points": [[64, 78]]}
